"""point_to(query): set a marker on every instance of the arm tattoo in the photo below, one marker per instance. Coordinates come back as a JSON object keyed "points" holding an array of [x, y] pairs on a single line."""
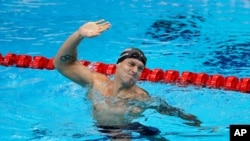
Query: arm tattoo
{"points": [[67, 58]]}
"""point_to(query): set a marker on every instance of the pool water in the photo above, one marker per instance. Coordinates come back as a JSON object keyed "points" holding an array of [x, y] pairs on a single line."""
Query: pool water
{"points": [[191, 35]]}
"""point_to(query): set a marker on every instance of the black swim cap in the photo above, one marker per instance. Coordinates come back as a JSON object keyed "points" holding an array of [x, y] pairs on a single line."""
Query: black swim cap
{"points": [[133, 53]]}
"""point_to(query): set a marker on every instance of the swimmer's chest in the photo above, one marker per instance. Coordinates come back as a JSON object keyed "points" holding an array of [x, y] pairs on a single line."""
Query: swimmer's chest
{"points": [[118, 106], [104, 102]]}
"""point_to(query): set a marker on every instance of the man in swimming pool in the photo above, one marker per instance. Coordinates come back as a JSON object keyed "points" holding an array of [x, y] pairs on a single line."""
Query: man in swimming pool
{"points": [[115, 102]]}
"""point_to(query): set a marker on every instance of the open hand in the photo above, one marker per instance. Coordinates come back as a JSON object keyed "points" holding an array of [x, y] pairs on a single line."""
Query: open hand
{"points": [[92, 29]]}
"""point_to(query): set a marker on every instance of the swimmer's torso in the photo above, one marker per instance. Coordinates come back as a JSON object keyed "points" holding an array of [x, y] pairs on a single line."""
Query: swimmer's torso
{"points": [[110, 110], [115, 109]]}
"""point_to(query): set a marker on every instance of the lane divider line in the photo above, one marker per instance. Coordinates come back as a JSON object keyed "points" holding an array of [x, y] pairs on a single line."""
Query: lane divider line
{"points": [[202, 79]]}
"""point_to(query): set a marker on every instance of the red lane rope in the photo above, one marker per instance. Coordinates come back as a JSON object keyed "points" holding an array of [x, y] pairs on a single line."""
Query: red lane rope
{"points": [[155, 75]]}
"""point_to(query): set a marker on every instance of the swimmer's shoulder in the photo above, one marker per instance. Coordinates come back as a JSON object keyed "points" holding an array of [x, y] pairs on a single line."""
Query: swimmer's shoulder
{"points": [[100, 81], [142, 94]]}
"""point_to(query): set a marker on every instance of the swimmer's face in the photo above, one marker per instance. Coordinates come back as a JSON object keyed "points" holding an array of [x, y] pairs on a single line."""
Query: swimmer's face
{"points": [[130, 70]]}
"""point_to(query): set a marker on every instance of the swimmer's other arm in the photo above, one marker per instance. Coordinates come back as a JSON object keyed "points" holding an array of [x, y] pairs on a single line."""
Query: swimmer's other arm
{"points": [[165, 108]]}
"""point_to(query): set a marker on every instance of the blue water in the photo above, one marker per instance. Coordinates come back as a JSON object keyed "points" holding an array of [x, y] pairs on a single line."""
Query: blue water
{"points": [[197, 36]]}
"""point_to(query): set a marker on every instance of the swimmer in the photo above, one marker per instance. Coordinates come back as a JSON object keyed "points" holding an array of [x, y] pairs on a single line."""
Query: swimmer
{"points": [[119, 101]]}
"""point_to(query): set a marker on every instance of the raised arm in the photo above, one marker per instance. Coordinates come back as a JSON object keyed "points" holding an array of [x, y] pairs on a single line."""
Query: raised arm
{"points": [[66, 59]]}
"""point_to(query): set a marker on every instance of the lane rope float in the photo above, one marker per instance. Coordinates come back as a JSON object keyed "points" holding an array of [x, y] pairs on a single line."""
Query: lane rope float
{"points": [[216, 81]]}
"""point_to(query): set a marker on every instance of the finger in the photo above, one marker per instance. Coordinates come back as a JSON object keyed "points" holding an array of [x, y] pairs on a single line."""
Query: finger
{"points": [[103, 28], [100, 21], [104, 25]]}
